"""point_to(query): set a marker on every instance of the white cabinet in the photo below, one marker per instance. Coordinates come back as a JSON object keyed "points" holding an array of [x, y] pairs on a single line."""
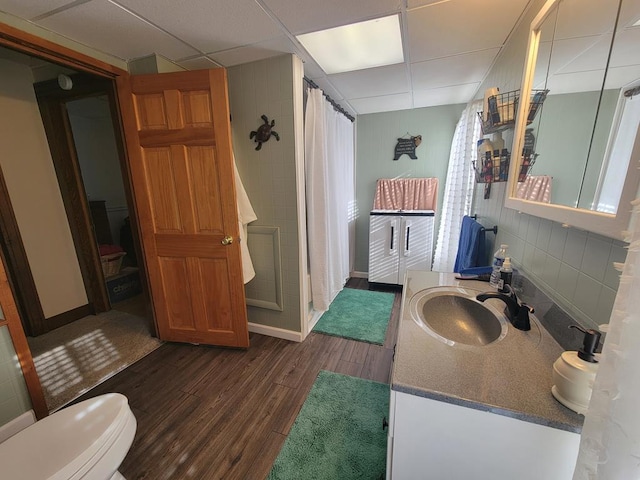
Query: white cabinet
{"points": [[399, 241], [433, 439]]}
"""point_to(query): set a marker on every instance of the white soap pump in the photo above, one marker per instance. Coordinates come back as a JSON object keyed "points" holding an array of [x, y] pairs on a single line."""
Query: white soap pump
{"points": [[574, 373]]}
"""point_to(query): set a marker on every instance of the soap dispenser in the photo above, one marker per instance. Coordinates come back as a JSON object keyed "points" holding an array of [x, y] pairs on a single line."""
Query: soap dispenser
{"points": [[574, 372]]}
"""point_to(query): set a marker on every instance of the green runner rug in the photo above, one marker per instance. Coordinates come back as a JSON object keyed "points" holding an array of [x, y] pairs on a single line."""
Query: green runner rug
{"points": [[357, 314], [338, 433]]}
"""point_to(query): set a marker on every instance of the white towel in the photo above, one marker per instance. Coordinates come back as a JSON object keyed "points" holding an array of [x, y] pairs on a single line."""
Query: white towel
{"points": [[246, 215]]}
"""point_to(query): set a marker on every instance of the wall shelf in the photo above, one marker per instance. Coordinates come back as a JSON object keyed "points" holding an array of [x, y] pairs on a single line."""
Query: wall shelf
{"points": [[503, 108]]}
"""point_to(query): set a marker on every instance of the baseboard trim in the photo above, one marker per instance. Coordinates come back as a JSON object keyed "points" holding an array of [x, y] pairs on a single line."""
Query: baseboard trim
{"points": [[275, 332], [314, 316], [64, 318], [359, 274]]}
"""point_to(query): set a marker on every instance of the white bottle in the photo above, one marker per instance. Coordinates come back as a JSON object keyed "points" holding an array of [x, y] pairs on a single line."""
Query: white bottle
{"points": [[497, 141], [498, 260], [484, 146]]}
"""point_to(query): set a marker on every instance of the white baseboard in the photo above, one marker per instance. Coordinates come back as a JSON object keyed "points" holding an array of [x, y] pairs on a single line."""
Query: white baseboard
{"points": [[275, 332], [359, 274], [314, 316]]}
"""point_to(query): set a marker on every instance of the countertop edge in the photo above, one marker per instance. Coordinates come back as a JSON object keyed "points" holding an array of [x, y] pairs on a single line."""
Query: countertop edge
{"points": [[452, 399]]}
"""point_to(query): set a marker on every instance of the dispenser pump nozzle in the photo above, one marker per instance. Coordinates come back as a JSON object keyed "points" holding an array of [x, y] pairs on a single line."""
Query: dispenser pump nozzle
{"points": [[589, 343]]}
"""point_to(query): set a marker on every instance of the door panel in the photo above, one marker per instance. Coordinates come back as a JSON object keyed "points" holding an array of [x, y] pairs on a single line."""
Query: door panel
{"points": [[179, 142]]}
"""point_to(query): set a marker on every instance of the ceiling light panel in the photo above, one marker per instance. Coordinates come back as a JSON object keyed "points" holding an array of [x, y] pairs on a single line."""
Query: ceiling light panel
{"points": [[369, 44]]}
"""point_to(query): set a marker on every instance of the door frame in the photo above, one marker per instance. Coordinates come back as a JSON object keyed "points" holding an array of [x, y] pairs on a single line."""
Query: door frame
{"points": [[52, 102], [30, 44], [17, 266]]}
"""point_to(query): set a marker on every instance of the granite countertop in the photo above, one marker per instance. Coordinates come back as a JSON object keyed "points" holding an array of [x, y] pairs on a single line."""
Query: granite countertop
{"points": [[510, 377]]}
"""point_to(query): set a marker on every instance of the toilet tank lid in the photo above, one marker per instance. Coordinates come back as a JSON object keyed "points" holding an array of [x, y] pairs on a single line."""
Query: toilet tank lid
{"points": [[72, 435]]}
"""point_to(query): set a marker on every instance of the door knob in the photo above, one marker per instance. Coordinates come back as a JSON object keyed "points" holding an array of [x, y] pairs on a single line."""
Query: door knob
{"points": [[227, 240]]}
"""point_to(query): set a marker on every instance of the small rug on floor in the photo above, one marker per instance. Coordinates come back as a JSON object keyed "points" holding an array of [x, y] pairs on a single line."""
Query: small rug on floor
{"points": [[360, 315], [76, 357], [338, 433]]}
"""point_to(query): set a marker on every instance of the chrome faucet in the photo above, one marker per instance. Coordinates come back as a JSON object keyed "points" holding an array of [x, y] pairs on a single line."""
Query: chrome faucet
{"points": [[518, 313]]}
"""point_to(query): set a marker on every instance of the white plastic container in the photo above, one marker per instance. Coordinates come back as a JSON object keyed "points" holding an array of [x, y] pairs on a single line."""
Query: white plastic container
{"points": [[575, 371], [484, 146]]}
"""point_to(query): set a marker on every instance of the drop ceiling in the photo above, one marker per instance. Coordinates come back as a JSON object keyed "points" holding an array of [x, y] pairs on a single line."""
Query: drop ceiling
{"points": [[449, 45]]}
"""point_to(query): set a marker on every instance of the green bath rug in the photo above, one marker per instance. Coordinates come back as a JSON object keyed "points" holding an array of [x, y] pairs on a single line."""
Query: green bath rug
{"points": [[338, 433], [357, 314]]}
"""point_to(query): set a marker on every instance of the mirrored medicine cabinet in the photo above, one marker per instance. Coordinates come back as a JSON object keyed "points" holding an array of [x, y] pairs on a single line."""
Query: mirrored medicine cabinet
{"points": [[585, 137]]}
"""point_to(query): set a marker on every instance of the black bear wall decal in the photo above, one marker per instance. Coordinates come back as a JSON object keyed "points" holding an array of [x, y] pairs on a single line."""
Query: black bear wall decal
{"points": [[407, 146]]}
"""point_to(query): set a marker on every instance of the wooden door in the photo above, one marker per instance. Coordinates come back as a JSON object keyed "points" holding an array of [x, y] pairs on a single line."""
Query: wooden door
{"points": [[178, 137]]}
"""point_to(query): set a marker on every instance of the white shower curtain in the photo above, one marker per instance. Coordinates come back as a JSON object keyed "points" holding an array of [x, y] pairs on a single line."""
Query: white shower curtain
{"points": [[458, 189], [610, 441], [329, 160]]}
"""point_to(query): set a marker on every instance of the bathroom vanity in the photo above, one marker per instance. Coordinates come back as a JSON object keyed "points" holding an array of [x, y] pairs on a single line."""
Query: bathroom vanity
{"points": [[481, 411]]}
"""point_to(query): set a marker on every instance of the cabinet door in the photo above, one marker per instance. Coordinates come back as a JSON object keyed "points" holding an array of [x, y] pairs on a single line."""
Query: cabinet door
{"points": [[383, 248], [451, 441], [416, 244]]}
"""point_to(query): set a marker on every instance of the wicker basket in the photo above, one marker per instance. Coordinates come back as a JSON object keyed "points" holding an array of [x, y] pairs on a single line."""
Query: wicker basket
{"points": [[111, 263]]}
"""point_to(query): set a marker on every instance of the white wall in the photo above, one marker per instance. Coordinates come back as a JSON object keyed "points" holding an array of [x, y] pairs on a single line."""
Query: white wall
{"points": [[33, 188]]}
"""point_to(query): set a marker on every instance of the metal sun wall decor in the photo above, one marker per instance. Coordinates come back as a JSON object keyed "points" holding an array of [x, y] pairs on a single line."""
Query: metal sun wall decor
{"points": [[407, 146], [264, 132]]}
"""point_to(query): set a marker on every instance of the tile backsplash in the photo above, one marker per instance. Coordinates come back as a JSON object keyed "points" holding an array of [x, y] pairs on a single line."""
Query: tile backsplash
{"points": [[573, 267]]}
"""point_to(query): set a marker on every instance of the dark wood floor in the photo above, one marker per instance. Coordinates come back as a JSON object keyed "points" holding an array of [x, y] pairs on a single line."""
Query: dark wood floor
{"points": [[213, 413]]}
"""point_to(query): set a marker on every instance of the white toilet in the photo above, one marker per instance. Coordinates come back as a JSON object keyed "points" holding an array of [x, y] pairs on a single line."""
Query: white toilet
{"points": [[85, 441]]}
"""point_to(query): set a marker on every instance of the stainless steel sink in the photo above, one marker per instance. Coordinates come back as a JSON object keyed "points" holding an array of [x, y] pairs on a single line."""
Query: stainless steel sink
{"points": [[454, 316]]}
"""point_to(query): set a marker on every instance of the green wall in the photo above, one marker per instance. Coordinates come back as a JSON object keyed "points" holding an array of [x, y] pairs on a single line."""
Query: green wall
{"points": [[269, 175], [565, 130], [376, 137]]}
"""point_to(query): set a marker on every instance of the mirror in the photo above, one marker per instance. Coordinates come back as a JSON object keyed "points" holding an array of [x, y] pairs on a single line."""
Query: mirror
{"points": [[577, 151]]}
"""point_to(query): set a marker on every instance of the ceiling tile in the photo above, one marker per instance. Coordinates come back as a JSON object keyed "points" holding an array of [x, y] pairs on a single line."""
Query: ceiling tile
{"points": [[629, 14], [312, 70], [460, 26], [411, 4], [257, 51], [372, 82], [456, 70], [626, 48], [197, 63], [619, 77], [311, 15], [445, 95], [209, 25], [106, 27], [388, 103], [580, 54], [576, 20], [30, 8], [576, 82]]}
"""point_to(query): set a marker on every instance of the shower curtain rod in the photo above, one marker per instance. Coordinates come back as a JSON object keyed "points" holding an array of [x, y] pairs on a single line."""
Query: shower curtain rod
{"points": [[335, 105], [632, 91]]}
